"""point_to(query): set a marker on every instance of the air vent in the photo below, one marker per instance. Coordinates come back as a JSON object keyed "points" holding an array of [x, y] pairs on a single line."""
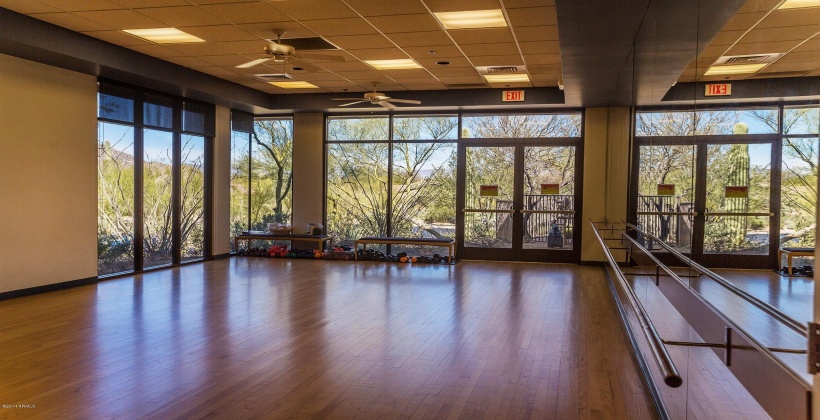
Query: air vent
{"points": [[308, 44], [501, 69], [747, 59], [273, 77]]}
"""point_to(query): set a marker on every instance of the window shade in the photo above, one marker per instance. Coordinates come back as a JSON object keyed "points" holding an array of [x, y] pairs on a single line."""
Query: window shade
{"points": [[241, 121]]}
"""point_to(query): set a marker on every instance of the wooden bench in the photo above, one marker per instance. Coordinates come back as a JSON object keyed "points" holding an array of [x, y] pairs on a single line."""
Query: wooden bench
{"points": [[450, 244], [793, 252], [319, 239]]}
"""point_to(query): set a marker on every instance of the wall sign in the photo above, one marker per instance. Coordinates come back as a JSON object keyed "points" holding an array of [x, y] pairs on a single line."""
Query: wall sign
{"points": [[488, 190], [550, 189], [737, 191], [666, 189], [512, 96], [718, 89]]}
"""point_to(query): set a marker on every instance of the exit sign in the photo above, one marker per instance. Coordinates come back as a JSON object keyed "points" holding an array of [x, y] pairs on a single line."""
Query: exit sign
{"points": [[719, 89], [512, 96]]}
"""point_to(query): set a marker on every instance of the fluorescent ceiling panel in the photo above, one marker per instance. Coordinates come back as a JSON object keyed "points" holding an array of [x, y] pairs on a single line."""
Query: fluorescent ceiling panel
{"points": [[401, 64], [735, 69], [295, 85], [472, 19], [507, 78], [799, 4], [164, 35]]}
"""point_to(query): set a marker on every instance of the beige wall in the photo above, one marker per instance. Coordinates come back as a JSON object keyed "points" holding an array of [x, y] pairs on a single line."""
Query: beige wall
{"points": [[308, 170], [222, 183], [606, 173], [48, 176]]}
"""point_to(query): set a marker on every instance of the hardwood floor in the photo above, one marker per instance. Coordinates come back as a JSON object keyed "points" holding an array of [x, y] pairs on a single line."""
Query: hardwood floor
{"points": [[259, 338]]}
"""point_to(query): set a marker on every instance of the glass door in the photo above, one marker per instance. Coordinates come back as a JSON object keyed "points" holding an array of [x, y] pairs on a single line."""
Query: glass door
{"points": [[519, 203], [710, 200]]}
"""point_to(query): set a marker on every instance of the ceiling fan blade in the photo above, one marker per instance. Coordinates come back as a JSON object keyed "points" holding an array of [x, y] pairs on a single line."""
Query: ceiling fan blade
{"points": [[250, 64], [386, 104], [353, 103], [308, 55], [404, 101], [346, 99]]}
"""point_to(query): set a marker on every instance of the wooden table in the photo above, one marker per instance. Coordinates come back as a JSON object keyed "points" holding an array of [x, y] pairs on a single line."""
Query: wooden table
{"points": [[450, 244], [319, 239], [793, 252]]}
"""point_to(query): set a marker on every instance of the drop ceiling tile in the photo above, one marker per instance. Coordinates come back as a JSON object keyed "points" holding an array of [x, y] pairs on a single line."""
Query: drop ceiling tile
{"points": [[550, 47], [782, 66], [727, 37], [221, 33], [812, 44], [490, 49], [758, 6], [421, 39], [482, 36], [453, 72], [791, 17], [229, 60], [343, 26], [217, 71], [537, 59], [814, 73], [118, 38], [715, 51], [182, 16], [799, 33], [238, 13], [122, 19], [28, 6], [461, 80], [533, 16], [536, 33], [546, 79], [763, 47], [405, 23], [269, 30], [72, 21], [386, 8], [441, 50], [544, 68], [515, 4], [407, 73], [191, 62], [361, 75], [497, 60], [199, 49], [351, 42], [424, 86], [743, 21], [460, 5], [139, 4], [431, 62], [378, 54], [244, 47], [333, 84], [320, 76], [348, 66], [76, 6], [155, 50], [314, 9]]}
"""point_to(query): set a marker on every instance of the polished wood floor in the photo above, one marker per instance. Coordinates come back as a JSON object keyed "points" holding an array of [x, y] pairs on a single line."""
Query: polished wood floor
{"points": [[257, 338]]}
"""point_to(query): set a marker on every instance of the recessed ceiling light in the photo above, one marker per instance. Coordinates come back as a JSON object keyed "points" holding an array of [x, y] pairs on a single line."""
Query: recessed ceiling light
{"points": [[443, 63], [735, 69], [295, 85], [472, 19], [164, 35], [401, 64], [507, 78], [799, 4]]}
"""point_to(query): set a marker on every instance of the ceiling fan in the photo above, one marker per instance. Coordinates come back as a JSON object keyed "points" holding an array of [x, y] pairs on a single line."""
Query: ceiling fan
{"points": [[376, 98], [280, 53]]}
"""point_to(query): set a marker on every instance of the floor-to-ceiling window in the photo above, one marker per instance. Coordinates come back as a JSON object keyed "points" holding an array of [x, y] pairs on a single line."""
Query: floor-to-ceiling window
{"points": [[707, 183], [152, 179], [391, 176], [261, 172]]}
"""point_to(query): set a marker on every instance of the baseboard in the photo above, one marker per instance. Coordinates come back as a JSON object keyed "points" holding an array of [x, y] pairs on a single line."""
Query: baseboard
{"points": [[47, 288], [593, 263], [222, 256]]}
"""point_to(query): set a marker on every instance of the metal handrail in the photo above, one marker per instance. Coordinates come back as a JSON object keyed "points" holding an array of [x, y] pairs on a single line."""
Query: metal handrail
{"points": [[765, 307], [670, 373]]}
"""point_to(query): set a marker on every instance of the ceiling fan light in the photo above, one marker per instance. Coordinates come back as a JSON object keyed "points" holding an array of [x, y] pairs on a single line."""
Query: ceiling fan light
{"points": [[164, 35], [472, 19]]}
